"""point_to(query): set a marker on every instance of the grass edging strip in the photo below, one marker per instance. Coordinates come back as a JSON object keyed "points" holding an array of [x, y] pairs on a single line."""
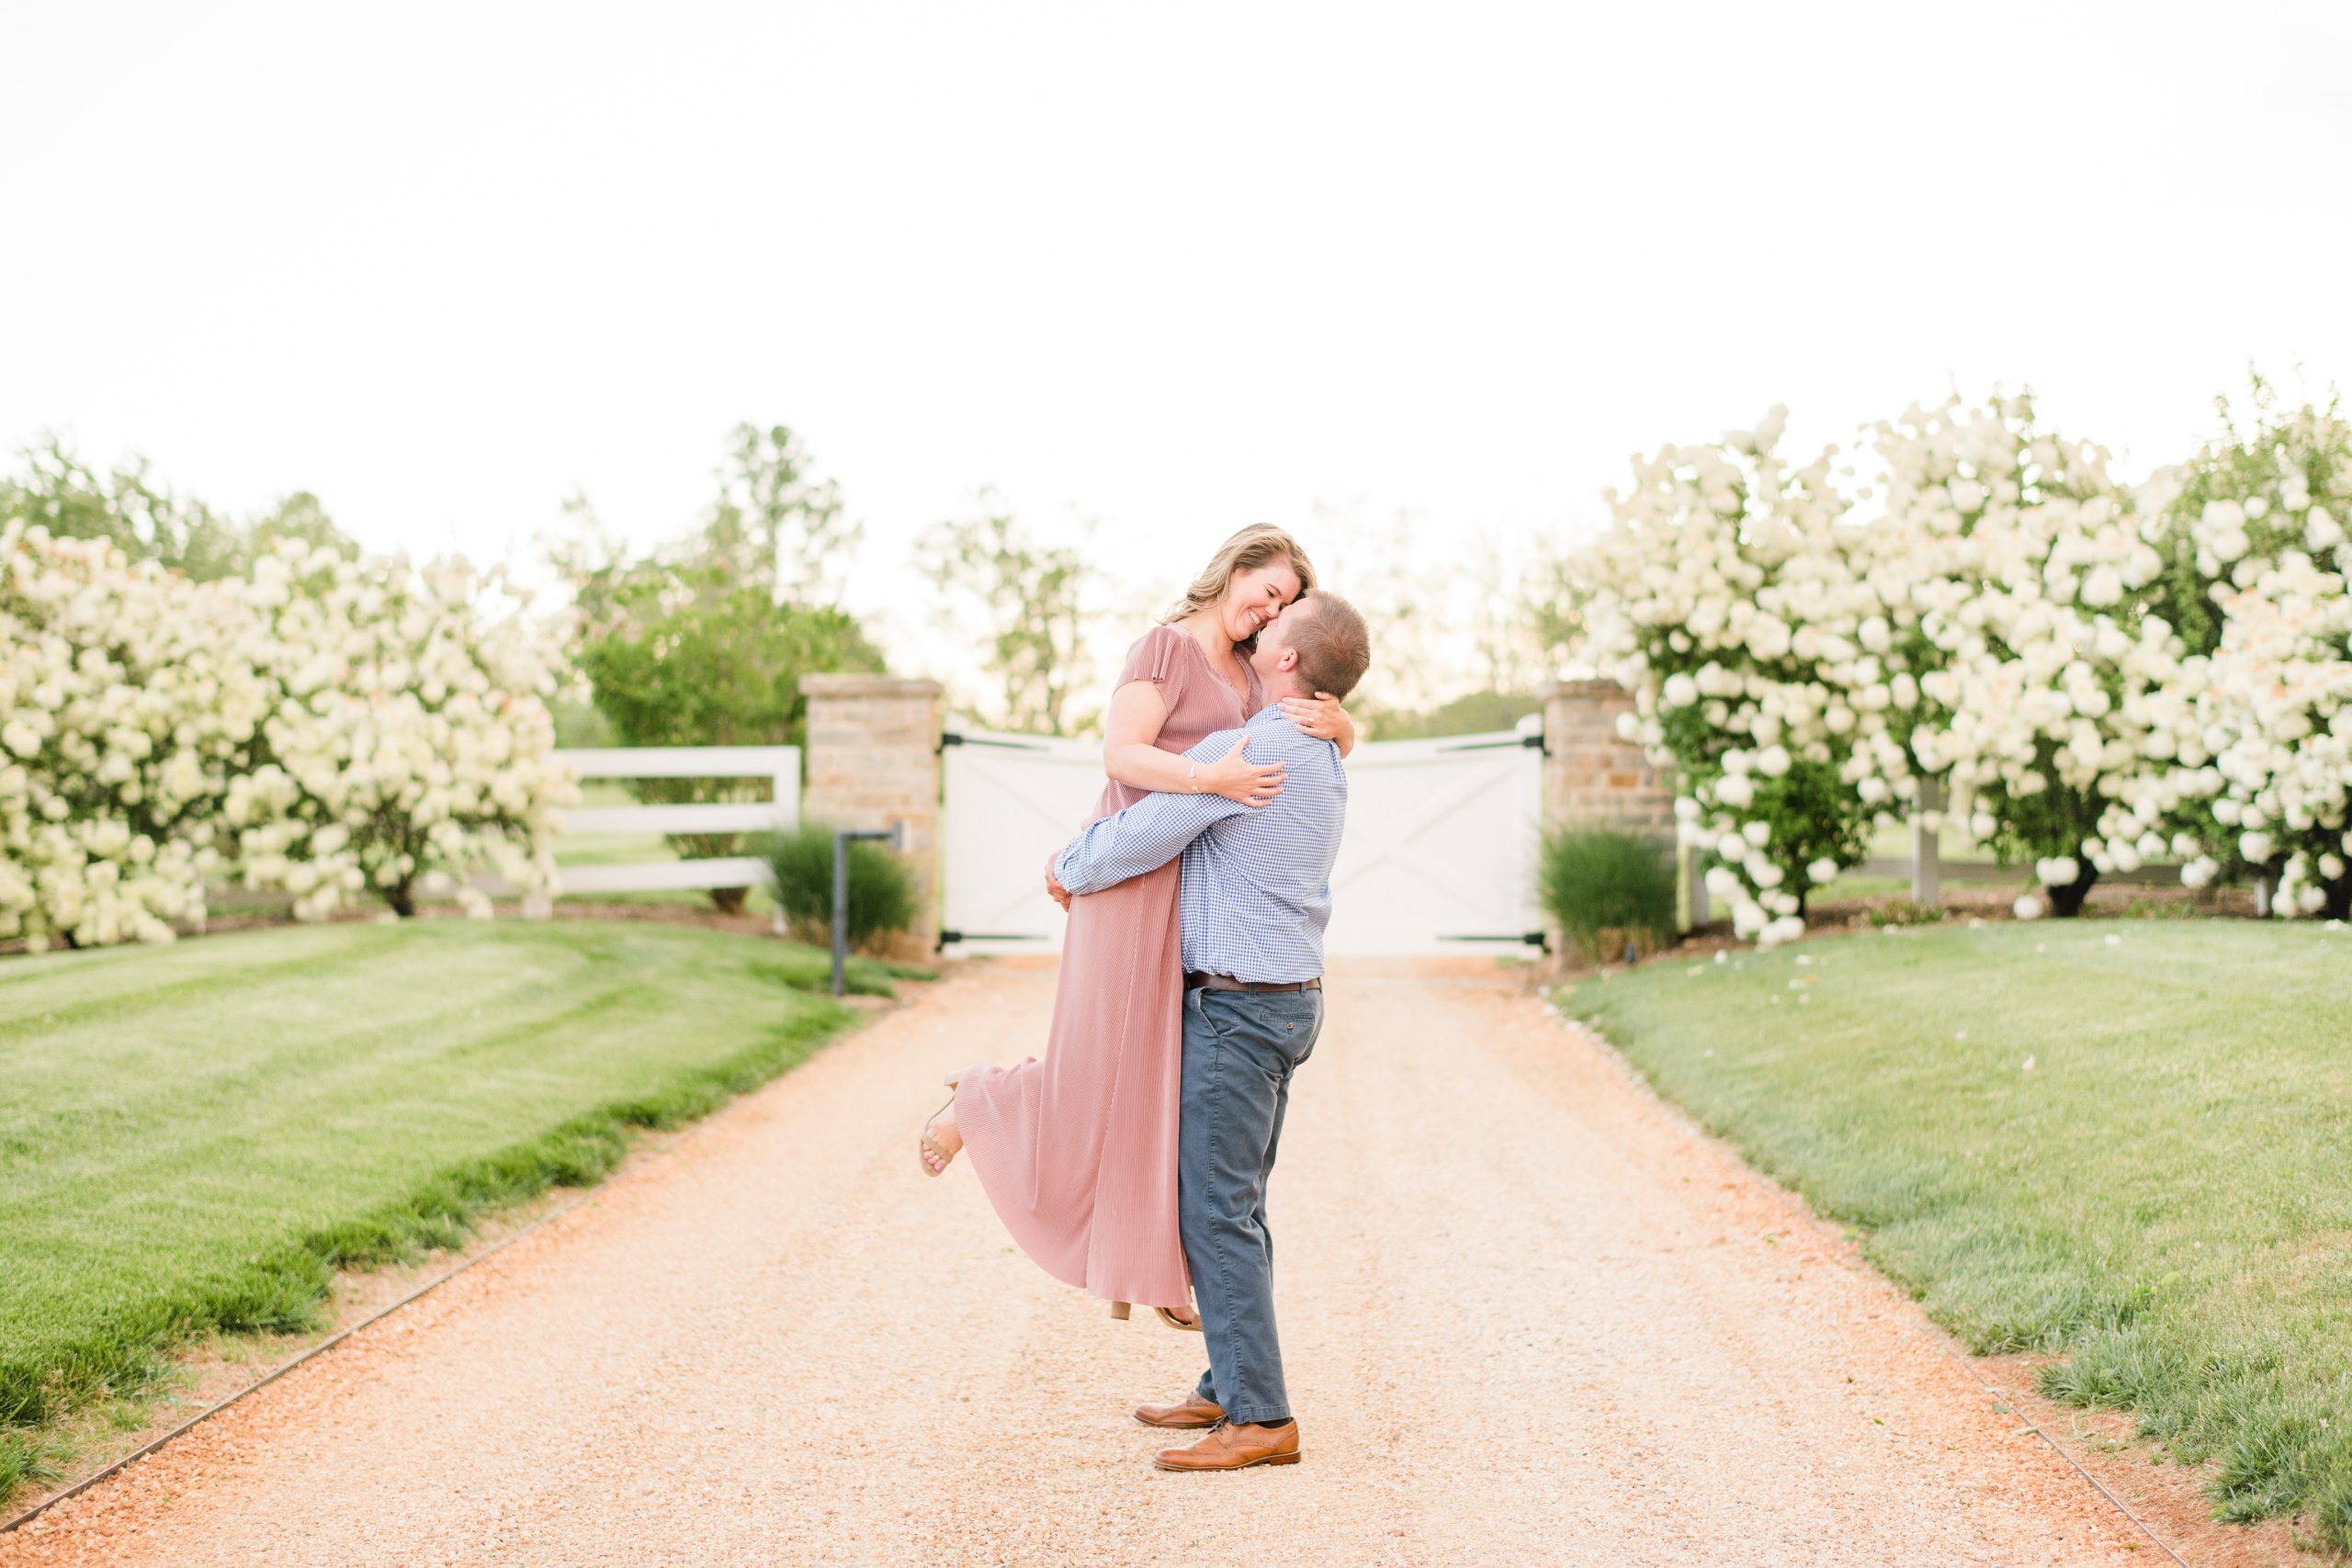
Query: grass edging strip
{"points": [[2118, 1146], [320, 1348], [2059, 1449], [684, 1101], [1635, 1077], [280, 1288]]}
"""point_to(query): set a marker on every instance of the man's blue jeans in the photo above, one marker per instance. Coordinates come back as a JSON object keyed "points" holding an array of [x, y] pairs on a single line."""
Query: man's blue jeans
{"points": [[1240, 1048]]}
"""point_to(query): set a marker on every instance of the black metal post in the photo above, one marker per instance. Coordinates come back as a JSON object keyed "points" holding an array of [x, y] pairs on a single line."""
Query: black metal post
{"points": [[897, 834], [841, 908]]}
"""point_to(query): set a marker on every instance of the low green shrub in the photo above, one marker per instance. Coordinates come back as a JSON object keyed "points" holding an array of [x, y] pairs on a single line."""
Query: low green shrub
{"points": [[1607, 887], [1905, 912], [881, 888]]}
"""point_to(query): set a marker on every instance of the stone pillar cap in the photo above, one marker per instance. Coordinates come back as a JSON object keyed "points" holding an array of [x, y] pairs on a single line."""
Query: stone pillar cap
{"points": [[858, 685], [1587, 686]]}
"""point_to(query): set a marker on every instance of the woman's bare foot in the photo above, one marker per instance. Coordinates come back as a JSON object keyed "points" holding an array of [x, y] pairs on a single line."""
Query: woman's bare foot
{"points": [[941, 1140]]}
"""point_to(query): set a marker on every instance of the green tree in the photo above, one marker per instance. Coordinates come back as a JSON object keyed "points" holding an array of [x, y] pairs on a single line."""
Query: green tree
{"points": [[1473, 713], [299, 516], [129, 508], [692, 660], [1030, 598], [703, 642], [772, 526], [775, 525], [1555, 610], [716, 669]]}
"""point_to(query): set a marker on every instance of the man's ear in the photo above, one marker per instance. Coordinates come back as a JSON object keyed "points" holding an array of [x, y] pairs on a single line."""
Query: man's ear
{"points": [[1288, 661]]}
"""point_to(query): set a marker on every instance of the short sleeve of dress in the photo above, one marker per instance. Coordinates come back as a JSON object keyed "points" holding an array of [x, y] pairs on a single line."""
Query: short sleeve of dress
{"points": [[1160, 657]]}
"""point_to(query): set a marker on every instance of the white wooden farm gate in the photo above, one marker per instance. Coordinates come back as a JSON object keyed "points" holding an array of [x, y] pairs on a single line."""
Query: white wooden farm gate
{"points": [[1439, 853]]}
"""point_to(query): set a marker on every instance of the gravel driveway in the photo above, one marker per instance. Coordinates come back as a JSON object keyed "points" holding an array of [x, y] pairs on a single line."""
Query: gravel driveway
{"points": [[1529, 1317]]}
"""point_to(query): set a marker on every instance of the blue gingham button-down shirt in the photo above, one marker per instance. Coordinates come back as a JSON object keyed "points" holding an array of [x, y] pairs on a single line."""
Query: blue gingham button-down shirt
{"points": [[1257, 882]]}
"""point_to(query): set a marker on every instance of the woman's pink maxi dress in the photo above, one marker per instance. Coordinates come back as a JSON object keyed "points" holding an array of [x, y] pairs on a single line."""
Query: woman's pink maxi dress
{"points": [[1078, 1151]]}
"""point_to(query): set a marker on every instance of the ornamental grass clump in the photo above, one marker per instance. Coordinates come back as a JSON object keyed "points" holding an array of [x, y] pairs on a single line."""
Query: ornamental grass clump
{"points": [[1608, 887], [881, 888]]}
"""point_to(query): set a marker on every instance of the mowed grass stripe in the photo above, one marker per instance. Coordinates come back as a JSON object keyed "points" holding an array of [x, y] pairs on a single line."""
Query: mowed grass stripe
{"points": [[194, 1138], [2128, 1142]]}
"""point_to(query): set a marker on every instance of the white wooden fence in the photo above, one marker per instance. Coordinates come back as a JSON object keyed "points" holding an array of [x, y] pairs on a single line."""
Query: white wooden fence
{"points": [[780, 764], [782, 813]]}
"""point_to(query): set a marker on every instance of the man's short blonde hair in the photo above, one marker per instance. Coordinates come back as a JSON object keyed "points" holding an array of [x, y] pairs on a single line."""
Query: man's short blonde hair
{"points": [[1333, 645]]}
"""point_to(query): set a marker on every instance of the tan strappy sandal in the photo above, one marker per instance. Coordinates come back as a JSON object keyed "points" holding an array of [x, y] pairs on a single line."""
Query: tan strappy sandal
{"points": [[930, 1148], [1120, 1309]]}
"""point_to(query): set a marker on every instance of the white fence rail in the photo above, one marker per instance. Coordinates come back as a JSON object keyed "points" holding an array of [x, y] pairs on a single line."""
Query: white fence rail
{"points": [[780, 764]]}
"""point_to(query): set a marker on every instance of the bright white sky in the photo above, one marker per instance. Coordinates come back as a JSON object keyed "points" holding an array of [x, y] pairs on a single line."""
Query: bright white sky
{"points": [[1177, 267]]}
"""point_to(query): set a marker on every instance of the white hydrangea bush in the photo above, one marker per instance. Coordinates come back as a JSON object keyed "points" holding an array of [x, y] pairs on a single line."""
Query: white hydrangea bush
{"points": [[2257, 557], [129, 697], [2037, 586], [327, 727], [1720, 598], [2092, 678], [411, 745]]}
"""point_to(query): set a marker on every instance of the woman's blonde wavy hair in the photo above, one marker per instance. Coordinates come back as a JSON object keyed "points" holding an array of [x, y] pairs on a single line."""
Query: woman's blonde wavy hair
{"points": [[1246, 551]]}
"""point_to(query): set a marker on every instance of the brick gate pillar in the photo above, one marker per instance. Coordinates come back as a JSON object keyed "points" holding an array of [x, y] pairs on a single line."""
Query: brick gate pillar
{"points": [[1591, 776], [873, 760]]}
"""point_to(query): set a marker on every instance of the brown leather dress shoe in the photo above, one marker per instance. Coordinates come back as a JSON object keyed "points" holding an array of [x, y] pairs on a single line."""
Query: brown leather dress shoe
{"points": [[1236, 1447], [1188, 1415]]}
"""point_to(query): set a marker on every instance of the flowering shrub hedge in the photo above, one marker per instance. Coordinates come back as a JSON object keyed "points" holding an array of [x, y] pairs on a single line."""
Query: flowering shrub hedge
{"points": [[128, 698], [324, 728], [2083, 675], [2256, 728], [1725, 598]]}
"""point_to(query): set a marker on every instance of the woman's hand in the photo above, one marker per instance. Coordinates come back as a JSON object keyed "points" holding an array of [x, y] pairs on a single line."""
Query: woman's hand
{"points": [[1322, 717], [1236, 777]]}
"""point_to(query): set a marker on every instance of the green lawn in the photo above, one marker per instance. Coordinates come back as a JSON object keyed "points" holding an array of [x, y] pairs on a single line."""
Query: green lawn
{"points": [[2126, 1142], [194, 1137]]}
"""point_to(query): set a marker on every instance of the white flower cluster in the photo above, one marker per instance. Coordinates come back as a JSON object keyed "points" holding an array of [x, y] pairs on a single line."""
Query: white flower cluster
{"points": [[411, 744], [128, 697], [2091, 679], [2277, 699], [1725, 600], [2258, 730], [325, 727], [2052, 648]]}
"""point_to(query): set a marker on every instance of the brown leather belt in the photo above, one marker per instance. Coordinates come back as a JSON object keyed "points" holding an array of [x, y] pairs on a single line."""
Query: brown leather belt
{"points": [[1199, 981]]}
